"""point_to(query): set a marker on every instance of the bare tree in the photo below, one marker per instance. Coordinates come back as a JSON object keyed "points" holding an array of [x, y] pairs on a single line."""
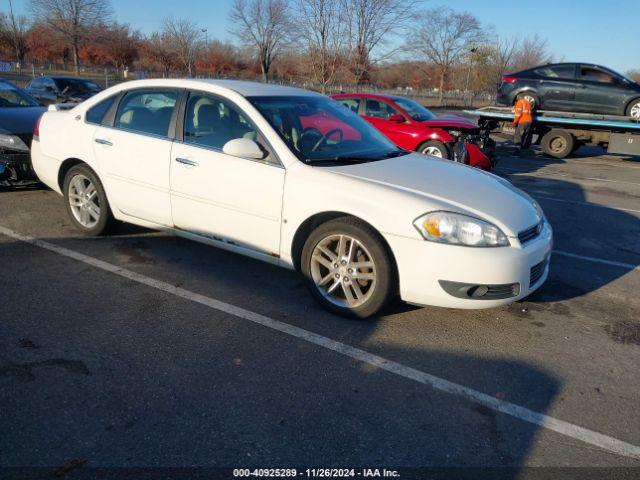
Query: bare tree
{"points": [[73, 20], [264, 26], [444, 38], [320, 23], [186, 38], [14, 31], [157, 48], [532, 51], [369, 23]]}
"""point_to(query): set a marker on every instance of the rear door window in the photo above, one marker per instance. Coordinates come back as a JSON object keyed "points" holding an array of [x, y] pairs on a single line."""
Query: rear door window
{"points": [[96, 113], [378, 109], [557, 71], [352, 104], [147, 111], [595, 75]]}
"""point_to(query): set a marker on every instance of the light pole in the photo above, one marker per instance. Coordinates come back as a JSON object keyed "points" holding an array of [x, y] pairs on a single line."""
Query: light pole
{"points": [[206, 37], [472, 50]]}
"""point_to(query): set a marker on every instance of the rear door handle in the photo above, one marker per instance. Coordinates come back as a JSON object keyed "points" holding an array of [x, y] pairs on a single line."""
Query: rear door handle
{"points": [[187, 161], [102, 141]]}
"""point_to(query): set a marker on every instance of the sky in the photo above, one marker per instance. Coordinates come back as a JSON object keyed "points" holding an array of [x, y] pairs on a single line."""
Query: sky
{"points": [[597, 31]]}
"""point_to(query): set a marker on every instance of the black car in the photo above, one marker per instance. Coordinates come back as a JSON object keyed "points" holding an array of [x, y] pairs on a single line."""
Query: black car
{"points": [[48, 90], [19, 113], [573, 87]]}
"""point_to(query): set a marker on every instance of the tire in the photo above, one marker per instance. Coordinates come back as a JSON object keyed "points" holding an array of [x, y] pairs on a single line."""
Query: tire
{"points": [[378, 283], [430, 147], [83, 194], [633, 110], [557, 143], [532, 97]]}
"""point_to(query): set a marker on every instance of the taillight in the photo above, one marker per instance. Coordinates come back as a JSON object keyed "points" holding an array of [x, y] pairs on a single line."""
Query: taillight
{"points": [[36, 129], [507, 79]]}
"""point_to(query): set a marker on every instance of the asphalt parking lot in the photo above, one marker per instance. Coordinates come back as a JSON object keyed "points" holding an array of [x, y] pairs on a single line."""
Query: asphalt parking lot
{"points": [[141, 349]]}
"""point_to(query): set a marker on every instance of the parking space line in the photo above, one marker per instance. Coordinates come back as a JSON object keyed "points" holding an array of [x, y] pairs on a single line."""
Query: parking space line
{"points": [[613, 263], [576, 432], [552, 174], [586, 204]]}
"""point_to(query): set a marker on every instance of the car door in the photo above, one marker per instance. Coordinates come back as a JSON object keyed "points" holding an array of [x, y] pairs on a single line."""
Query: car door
{"points": [[378, 113], [230, 199], [603, 91], [133, 154], [557, 86]]}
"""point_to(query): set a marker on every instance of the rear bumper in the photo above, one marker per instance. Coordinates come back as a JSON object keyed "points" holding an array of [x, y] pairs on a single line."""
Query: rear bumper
{"points": [[45, 167], [449, 275]]}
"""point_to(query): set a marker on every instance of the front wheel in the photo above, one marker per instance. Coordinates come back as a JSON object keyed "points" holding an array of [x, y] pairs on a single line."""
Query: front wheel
{"points": [[633, 110], [86, 201], [348, 268], [434, 148]]}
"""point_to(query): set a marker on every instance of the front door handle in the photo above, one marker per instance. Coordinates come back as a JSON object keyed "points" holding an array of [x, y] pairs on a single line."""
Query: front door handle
{"points": [[102, 141], [187, 161]]}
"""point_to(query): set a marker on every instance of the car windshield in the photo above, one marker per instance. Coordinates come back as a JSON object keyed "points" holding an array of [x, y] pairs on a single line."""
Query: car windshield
{"points": [[414, 109], [11, 96], [318, 129], [76, 85]]}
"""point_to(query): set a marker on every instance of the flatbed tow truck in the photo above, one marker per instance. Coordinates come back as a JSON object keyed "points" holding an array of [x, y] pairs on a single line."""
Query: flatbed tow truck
{"points": [[559, 134]]}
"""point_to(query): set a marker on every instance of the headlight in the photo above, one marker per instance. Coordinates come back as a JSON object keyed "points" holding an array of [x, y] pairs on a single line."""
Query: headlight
{"points": [[457, 229], [13, 142]]}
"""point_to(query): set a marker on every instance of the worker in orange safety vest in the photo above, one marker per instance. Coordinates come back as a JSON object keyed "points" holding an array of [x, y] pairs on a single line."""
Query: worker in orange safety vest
{"points": [[522, 121]]}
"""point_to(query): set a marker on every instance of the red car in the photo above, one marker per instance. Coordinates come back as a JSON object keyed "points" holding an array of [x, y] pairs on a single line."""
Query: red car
{"points": [[413, 127]]}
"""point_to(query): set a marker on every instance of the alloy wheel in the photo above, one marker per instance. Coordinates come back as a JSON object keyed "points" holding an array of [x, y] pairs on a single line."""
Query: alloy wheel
{"points": [[343, 270], [84, 201], [635, 110], [433, 151]]}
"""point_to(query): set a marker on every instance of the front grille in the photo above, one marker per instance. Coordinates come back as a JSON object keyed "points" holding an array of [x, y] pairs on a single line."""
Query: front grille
{"points": [[530, 233], [536, 272]]}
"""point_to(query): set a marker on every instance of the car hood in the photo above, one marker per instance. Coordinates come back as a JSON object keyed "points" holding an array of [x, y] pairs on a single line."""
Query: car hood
{"points": [[452, 186], [452, 122], [19, 120]]}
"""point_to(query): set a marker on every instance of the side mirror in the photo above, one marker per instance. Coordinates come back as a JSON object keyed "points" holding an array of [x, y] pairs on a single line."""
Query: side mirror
{"points": [[396, 117], [244, 148]]}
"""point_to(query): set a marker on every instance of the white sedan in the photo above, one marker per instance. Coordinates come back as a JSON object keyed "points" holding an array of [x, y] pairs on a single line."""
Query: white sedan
{"points": [[296, 179]]}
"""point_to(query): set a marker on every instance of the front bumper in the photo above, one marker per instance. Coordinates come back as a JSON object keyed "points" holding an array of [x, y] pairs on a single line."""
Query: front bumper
{"points": [[423, 265], [15, 167]]}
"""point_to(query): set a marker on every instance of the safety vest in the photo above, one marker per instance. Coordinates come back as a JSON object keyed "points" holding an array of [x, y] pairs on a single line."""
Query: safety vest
{"points": [[522, 112]]}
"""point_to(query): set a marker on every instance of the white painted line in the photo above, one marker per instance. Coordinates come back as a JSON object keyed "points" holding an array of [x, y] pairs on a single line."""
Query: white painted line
{"points": [[586, 204], [585, 435], [551, 174], [613, 263]]}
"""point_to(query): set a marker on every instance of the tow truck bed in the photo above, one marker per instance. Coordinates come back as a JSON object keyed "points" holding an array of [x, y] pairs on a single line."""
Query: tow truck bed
{"points": [[561, 133]]}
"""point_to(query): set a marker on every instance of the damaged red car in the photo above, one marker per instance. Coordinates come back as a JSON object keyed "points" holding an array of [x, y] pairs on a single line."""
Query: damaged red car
{"points": [[413, 127]]}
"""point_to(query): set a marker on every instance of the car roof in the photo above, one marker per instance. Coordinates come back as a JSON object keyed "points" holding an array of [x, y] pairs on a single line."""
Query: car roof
{"points": [[242, 87], [375, 96]]}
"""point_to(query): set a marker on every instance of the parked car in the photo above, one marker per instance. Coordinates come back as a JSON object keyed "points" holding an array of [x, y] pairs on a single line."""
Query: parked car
{"points": [[18, 114], [242, 166], [414, 127], [573, 87], [48, 90]]}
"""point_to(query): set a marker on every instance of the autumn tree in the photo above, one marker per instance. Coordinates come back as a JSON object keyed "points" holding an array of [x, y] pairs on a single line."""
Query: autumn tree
{"points": [[445, 37], [263, 26], [158, 50], [14, 30], [532, 51]]}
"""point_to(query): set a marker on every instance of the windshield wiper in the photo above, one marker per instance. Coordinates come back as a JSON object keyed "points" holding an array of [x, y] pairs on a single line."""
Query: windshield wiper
{"points": [[396, 153], [338, 159]]}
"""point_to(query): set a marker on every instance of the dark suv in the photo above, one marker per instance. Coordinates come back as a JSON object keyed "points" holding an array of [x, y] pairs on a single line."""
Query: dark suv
{"points": [[573, 87], [49, 90]]}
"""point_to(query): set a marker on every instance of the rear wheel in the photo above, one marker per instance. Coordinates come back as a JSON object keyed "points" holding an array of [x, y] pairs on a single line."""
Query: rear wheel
{"points": [[86, 201], [348, 268], [633, 110], [434, 148], [557, 143], [530, 97]]}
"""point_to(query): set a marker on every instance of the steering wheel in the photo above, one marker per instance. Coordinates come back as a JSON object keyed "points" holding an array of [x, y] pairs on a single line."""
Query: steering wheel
{"points": [[324, 138]]}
